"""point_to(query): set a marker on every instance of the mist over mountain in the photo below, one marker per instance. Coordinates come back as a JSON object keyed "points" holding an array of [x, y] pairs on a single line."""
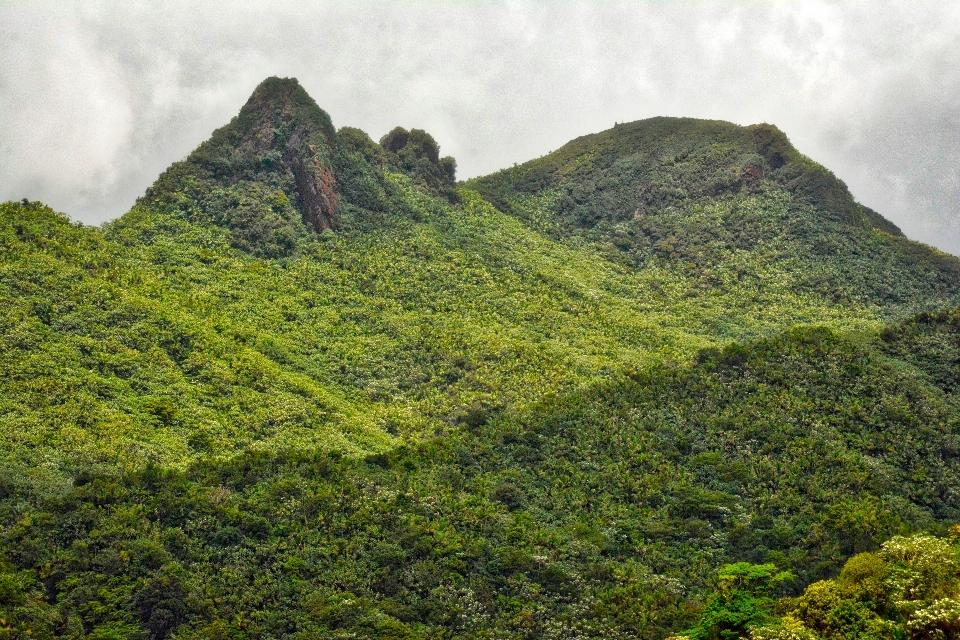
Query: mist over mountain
{"points": [[311, 386]]}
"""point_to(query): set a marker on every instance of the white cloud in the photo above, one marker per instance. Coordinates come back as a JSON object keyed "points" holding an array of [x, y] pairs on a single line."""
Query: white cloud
{"points": [[96, 98]]}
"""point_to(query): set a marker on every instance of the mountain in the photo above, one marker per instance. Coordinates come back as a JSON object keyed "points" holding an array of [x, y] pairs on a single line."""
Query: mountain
{"points": [[310, 386], [713, 197], [280, 170]]}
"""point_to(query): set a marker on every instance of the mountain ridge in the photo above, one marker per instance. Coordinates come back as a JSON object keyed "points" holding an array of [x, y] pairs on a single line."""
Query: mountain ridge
{"points": [[765, 150], [697, 192]]}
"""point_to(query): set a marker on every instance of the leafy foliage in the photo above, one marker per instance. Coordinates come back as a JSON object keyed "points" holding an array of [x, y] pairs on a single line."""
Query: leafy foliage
{"points": [[742, 601], [417, 154], [590, 514], [907, 589]]}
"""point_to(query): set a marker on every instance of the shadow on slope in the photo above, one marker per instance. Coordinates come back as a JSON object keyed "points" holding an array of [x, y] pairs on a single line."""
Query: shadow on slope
{"points": [[602, 513]]}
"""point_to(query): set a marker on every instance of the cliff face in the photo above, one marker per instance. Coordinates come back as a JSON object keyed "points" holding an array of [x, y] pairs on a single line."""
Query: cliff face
{"points": [[316, 188]]}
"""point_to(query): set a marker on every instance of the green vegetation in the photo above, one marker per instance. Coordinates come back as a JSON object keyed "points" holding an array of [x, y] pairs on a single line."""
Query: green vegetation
{"points": [[726, 203], [309, 388], [417, 154], [906, 589], [741, 602]]}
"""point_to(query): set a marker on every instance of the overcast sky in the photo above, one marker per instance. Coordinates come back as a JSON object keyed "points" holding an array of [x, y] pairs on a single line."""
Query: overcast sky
{"points": [[96, 99]]}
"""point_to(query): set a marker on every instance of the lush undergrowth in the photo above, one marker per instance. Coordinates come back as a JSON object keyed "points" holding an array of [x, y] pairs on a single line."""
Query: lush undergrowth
{"points": [[307, 387], [156, 341]]}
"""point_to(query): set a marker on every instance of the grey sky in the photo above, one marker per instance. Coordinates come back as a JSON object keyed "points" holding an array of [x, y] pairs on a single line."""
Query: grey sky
{"points": [[96, 99]]}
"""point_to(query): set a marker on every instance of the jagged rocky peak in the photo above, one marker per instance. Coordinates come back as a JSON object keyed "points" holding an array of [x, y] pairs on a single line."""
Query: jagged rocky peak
{"points": [[280, 112], [271, 165], [282, 127], [279, 169]]}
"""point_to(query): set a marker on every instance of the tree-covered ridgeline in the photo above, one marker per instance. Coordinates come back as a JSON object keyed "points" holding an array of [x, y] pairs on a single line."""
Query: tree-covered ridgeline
{"points": [[309, 387], [723, 202]]}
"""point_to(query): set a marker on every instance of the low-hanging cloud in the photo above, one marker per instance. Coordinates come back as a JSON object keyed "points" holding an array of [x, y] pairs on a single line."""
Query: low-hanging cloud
{"points": [[97, 98]]}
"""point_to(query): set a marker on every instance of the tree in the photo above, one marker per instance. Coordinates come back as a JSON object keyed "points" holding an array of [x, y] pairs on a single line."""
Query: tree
{"points": [[743, 600]]}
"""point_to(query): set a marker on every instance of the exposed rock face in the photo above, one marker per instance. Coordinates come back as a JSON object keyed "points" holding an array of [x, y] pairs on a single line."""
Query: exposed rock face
{"points": [[281, 119], [316, 188]]}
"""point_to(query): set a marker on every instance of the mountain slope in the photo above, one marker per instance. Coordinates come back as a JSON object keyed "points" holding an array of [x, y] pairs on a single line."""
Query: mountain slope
{"points": [[307, 387], [701, 194], [598, 514]]}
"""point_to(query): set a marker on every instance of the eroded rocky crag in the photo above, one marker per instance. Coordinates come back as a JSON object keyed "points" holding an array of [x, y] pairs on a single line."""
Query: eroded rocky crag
{"points": [[280, 171]]}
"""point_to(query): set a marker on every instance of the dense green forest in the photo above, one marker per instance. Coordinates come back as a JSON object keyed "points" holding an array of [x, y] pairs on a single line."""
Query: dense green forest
{"points": [[671, 378]]}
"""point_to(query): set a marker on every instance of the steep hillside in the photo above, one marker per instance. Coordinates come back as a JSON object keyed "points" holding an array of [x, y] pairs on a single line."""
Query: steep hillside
{"points": [[309, 387], [172, 336], [602, 513], [708, 197], [279, 171]]}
